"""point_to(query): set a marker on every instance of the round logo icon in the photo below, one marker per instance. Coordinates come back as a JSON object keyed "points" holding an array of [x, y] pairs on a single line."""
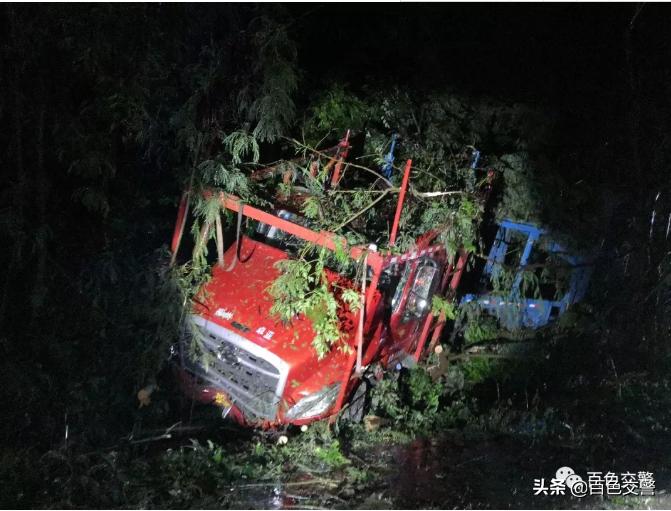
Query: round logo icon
{"points": [[563, 473]]}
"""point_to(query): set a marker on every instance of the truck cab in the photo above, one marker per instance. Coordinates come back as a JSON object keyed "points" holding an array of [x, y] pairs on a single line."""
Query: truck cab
{"points": [[264, 372]]}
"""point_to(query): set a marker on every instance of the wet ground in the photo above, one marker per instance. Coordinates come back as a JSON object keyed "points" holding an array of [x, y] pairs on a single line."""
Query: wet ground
{"points": [[470, 468], [492, 462], [455, 470], [491, 472]]}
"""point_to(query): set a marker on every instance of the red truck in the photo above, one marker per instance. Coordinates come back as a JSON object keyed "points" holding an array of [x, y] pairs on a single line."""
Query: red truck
{"points": [[266, 373]]}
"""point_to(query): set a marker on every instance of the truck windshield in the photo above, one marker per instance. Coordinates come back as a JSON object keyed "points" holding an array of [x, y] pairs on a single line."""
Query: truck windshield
{"points": [[291, 244], [277, 237]]}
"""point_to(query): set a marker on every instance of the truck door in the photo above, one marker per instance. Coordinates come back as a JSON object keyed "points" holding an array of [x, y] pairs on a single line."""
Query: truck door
{"points": [[411, 304]]}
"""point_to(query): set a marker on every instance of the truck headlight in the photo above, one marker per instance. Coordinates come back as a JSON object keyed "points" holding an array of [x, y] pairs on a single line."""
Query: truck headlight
{"points": [[314, 404]]}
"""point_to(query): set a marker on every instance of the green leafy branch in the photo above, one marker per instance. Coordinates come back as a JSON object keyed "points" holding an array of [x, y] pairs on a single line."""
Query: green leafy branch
{"points": [[446, 307], [303, 287]]}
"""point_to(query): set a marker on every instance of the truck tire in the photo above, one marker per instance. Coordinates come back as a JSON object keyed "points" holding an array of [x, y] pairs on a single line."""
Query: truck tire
{"points": [[358, 404]]}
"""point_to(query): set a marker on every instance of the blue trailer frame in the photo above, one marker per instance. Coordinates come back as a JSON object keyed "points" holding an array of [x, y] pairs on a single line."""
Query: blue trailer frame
{"points": [[515, 311]]}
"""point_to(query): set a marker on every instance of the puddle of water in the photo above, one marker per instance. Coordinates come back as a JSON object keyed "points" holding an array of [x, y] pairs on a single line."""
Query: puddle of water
{"points": [[490, 472]]}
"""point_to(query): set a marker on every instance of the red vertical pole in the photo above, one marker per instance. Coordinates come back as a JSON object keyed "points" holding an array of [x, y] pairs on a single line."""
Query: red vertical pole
{"points": [[437, 331], [399, 204], [182, 213], [343, 150], [362, 310], [459, 269], [351, 372], [422, 338]]}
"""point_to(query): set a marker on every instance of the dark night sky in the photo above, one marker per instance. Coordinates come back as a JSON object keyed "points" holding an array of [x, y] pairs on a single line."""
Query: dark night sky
{"points": [[567, 56], [522, 50], [100, 106]]}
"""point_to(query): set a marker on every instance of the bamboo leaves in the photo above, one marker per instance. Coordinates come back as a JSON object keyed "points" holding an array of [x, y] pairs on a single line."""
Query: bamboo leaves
{"points": [[240, 144]]}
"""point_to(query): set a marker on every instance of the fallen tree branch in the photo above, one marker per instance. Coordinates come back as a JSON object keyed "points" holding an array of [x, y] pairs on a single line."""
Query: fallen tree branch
{"points": [[462, 356], [166, 435], [361, 212], [437, 194], [324, 155], [290, 484]]}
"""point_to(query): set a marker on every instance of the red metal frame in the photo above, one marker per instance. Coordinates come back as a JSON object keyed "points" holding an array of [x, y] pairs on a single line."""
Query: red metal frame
{"points": [[324, 239]]}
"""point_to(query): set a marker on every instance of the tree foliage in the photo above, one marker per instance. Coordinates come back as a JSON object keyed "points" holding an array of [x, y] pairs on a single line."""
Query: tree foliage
{"points": [[108, 111]]}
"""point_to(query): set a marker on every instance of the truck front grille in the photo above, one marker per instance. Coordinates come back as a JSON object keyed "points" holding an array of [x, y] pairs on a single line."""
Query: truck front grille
{"points": [[252, 376]]}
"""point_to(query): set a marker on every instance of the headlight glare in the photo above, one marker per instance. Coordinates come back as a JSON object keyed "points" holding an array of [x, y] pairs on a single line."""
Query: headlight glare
{"points": [[314, 404]]}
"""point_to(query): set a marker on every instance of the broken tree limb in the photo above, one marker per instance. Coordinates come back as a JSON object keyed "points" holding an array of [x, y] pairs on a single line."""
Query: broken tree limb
{"points": [[291, 484], [437, 194], [463, 356], [362, 211], [204, 231], [324, 155]]}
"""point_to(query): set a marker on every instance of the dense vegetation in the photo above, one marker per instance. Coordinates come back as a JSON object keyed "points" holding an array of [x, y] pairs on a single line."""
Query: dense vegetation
{"points": [[108, 112]]}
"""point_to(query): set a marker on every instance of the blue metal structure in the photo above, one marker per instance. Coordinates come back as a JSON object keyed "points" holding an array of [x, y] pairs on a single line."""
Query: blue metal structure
{"points": [[515, 311], [475, 159], [388, 166]]}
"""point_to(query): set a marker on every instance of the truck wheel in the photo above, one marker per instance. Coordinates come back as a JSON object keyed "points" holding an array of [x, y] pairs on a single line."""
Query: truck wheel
{"points": [[358, 404]]}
